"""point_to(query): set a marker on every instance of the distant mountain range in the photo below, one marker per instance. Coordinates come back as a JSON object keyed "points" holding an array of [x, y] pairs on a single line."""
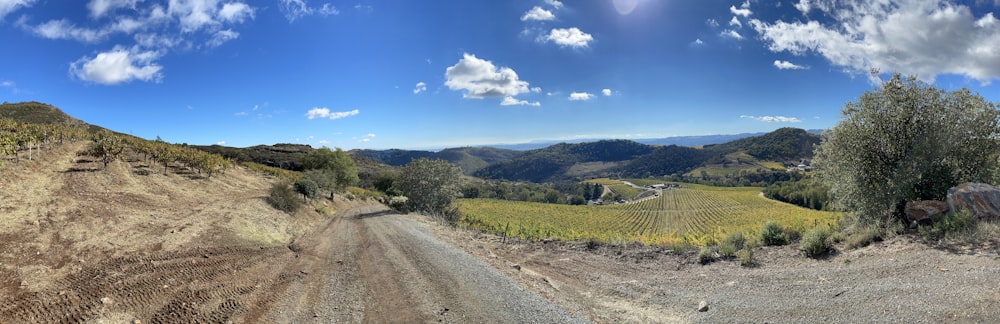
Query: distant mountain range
{"points": [[696, 140]]}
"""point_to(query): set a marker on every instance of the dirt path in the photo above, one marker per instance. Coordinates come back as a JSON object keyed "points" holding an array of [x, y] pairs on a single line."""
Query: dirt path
{"points": [[379, 267]]}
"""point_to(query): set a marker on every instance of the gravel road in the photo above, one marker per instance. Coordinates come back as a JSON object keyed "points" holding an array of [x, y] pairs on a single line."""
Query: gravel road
{"points": [[374, 266]]}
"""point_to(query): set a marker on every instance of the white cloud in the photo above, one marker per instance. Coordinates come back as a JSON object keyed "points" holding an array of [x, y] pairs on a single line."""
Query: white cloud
{"points": [[332, 115], [295, 9], [511, 101], [731, 34], [7, 84], [193, 14], [580, 96], [803, 6], [329, 10], [240, 114], [420, 87], [572, 37], [481, 79], [236, 12], [9, 6], [923, 38], [222, 36], [64, 29], [698, 41], [323, 142], [220, 143], [735, 22], [773, 119], [100, 7], [118, 65], [786, 65], [744, 10], [538, 14], [712, 23], [606, 92], [554, 3], [367, 138]]}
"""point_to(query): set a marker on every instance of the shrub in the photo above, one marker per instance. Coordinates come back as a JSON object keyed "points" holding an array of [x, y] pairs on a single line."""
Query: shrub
{"points": [[863, 237], [745, 256], [951, 225], [283, 198], [773, 234], [814, 242], [307, 187], [705, 255], [732, 243]]}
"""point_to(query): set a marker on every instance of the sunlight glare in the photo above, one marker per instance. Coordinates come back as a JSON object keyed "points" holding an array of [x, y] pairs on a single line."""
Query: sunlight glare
{"points": [[625, 7]]}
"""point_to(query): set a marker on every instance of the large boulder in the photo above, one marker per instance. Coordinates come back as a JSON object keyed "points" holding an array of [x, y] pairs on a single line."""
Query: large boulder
{"points": [[925, 212], [981, 199]]}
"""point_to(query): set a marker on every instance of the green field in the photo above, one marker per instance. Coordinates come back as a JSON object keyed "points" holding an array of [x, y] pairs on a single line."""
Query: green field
{"points": [[695, 214]]}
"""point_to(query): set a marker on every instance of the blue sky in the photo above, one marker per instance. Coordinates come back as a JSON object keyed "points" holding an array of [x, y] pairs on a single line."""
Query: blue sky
{"points": [[433, 74]]}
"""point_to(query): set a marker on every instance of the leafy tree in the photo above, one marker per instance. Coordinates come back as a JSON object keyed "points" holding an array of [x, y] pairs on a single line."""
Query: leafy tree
{"points": [[324, 179], [430, 185], [903, 141], [345, 173], [307, 188]]}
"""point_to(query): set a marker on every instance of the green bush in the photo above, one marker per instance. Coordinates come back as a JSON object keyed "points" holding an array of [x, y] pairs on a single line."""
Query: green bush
{"points": [[951, 225], [814, 242], [745, 256], [773, 234], [307, 187], [863, 237], [732, 243], [282, 197]]}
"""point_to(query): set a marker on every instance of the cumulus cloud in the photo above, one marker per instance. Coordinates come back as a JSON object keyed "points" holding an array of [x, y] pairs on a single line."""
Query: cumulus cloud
{"points": [[735, 22], [220, 143], [479, 78], [538, 14], [606, 92], [712, 23], [117, 66], [772, 119], [511, 101], [572, 37], [924, 38], [9, 6], [323, 112], [554, 3], [295, 9], [698, 41], [580, 96], [743, 11], [420, 87], [786, 65], [367, 138]]}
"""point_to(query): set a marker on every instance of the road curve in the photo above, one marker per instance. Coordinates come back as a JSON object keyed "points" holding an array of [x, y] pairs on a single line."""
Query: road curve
{"points": [[375, 266]]}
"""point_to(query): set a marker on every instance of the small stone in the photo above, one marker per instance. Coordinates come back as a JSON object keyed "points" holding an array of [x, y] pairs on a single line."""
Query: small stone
{"points": [[106, 301], [703, 306], [136, 322], [516, 266]]}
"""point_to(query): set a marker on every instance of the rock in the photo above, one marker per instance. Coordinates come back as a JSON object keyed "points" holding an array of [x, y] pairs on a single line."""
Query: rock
{"points": [[981, 199], [703, 306], [925, 212], [516, 266]]}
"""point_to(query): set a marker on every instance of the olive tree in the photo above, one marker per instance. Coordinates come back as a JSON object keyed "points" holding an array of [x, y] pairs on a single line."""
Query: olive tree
{"points": [[430, 185], [906, 140]]}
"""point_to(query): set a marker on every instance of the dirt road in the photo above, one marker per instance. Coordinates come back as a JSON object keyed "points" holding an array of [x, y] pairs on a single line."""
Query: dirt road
{"points": [[381, 267]]}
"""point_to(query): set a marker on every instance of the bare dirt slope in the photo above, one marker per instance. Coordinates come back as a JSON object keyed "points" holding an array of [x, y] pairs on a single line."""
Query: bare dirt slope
{"points": [[80, 243]]}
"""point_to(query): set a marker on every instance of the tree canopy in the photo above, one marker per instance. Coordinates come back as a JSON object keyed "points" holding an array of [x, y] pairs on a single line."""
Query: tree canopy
{"points": [[341, 169], [430, 185], [904, 141]]}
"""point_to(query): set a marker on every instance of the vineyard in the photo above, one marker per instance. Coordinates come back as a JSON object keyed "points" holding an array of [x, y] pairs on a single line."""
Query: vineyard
{"points": [[694, 214]]}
